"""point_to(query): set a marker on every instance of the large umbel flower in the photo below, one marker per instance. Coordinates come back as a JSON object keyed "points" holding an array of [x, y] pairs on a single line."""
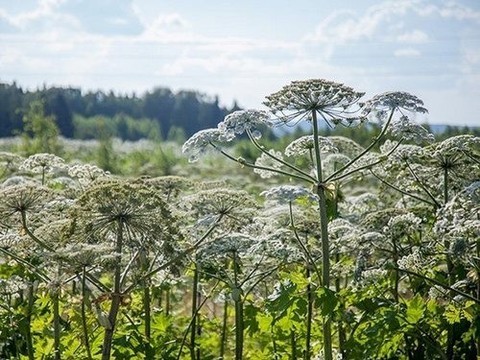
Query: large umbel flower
{"points": [[335, 102]]}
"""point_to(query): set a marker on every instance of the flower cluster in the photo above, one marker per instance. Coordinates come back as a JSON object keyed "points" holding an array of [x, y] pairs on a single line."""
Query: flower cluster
{"points": [[393, 100], [413, 261], [86, 173], [42, 163], [304, 145], [240, 121], [334, 101], [198, 143], [404, 128]]}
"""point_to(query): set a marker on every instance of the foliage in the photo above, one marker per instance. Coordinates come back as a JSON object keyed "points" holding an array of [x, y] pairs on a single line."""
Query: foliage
{"points": [[211, 260]]}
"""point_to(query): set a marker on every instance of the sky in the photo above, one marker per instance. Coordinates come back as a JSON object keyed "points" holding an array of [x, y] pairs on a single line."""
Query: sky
{"points": [[244, 50]]}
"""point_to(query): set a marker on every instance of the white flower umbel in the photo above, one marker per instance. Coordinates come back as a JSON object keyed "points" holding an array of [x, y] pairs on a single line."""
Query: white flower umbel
{"points": [[334, 101], [384, 106], [412, 262], [42, 163], [304, 145], [86, 173], [198, 142], [241, 121], [408, 130]]}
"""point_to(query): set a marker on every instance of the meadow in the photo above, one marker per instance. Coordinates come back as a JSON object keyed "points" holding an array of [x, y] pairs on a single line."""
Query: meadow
{"points": [[236, 246]]}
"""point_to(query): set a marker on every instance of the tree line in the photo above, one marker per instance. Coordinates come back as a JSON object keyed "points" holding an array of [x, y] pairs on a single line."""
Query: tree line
{"points": [[159, 111]]}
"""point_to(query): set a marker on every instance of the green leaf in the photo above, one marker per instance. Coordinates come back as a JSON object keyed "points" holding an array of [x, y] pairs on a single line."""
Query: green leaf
{"points": [[327, 301], [415, 309]]}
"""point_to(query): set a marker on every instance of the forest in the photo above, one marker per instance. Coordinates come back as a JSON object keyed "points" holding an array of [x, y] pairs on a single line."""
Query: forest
{"points": [[157, 113], [329, 226]]}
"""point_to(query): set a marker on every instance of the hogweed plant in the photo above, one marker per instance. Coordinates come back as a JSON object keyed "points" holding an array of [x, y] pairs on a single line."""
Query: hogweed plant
{"points": [[328, 171]]}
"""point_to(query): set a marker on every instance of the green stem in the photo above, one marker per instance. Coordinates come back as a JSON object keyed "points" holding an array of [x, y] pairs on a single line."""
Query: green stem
{"points": [[250, 165], [147, 320], [28, 316], [401, 191], [116, 296], [281, 161], [293, 345], [84, 315], [439, 283], [368, 166], [237, 298], [223, 339], [417, 179], [32, 235], [193, 328], [322, 202], [185, 334], [396, 272], [56, 322], [308, 336]]}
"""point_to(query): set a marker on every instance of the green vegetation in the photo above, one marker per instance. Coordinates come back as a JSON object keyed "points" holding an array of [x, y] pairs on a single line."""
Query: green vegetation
{"points": [[318, 244]]}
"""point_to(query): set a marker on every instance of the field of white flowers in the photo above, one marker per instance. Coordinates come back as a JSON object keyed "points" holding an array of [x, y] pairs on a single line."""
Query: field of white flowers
{"points": [[325, 249]]}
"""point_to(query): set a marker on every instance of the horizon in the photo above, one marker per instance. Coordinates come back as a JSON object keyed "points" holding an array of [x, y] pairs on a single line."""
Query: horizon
{"points": [[244, 51]]}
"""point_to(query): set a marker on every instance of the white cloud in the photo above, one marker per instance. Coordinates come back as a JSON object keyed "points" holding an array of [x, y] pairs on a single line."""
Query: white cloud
{"points": [[406, 52], [342, 26], [413, 37], [449, 10]]}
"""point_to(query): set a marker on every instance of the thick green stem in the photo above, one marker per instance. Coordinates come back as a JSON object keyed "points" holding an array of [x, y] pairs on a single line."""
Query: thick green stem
{"points": [[147, 319], [342, 336], [84, 315], [116, 297], [28, 316], [238, 330], [322, 202], [293, 345], [308, 336], [193, 329], [56, 322], [237, 298], [223, 339]]}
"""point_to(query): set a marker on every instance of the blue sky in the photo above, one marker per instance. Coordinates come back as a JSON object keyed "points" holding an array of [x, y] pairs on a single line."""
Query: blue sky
{"points": [[245, 50]]}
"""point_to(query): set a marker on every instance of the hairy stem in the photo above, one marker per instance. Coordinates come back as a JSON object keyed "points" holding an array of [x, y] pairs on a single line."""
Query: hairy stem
{"points": [[28, 316], [237, 298], [193, 328], [116, 296], [84, 315], [322, 202], [56, 322], [223, 338]]}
